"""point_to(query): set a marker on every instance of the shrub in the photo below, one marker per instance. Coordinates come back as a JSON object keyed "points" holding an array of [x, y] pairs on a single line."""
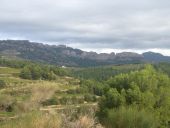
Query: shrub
{"points": [[26, 73], [2, 84], [63, 100], [6, 103], [51, 101], [129, 118], [89, 98]]}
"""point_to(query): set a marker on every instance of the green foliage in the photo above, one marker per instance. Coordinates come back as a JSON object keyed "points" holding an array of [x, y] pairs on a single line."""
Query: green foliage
{"points": [[112, 99], [6, 103], [26, 73], [129, 117], [104, 72], [163, 67], [90, 98], [119, 82], [92, 87], [134, 94], [139, 98], [31, 72], [58, 71], [147, 89], [14, 63], [2, 83], [147, 79], [35, 72], [51, 101]]}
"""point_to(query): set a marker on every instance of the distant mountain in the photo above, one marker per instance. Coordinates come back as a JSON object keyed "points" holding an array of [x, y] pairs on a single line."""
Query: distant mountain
{"points": [[155, 57], [67, 56]]}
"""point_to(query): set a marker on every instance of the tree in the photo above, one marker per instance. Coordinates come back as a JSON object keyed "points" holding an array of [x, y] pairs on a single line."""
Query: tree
{"points": [[133, 95], [31, 72], [26, 73], [112, 99], [148, 90], [119, 82], [36, 72]]}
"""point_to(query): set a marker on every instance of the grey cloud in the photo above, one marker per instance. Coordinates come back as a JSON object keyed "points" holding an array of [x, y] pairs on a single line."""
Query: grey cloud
{"points": [[97, 24]]}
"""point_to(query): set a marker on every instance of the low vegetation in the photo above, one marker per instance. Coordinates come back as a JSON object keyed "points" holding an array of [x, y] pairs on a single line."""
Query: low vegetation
{"points": [[43, 96]]}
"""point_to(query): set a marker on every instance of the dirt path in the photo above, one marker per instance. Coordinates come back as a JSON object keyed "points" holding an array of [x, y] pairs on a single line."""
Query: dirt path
{"points": [[62, 107], [8, 118]]}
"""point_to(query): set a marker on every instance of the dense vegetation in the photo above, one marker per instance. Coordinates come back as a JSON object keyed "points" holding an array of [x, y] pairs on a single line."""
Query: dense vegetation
{"points": [[163, 67], [38, 101], [122, 96], [139, 99], [14, 63], [34, 71], [102, 73]]}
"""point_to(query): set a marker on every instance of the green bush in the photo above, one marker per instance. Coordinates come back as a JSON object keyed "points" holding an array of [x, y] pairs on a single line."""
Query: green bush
{"points": [[147, 89], [2, 84], [37, 71], [89, 98], [26, 73], [129, 118], [64, 100], [51, 101], [6, 103]]}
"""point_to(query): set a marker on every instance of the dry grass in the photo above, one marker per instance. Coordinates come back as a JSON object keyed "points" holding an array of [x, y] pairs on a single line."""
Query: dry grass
{"points": [[41, 120], [42, 92], [34, 120], [37, 92], [85, 122]]}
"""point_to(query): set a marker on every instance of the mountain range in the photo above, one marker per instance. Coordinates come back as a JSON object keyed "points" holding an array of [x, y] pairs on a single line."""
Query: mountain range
{"points": [[66, 56]]}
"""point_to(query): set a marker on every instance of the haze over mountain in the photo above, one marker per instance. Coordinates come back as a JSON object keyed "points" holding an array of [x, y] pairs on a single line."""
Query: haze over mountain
{"points": [[67, 56]]}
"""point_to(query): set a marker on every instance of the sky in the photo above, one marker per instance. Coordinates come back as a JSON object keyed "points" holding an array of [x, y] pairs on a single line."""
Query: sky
{"points": [[91, 25]]}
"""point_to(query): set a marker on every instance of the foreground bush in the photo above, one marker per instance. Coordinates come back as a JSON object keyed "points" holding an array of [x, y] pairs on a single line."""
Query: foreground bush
{"points": [[147, 89], [129, 118]]}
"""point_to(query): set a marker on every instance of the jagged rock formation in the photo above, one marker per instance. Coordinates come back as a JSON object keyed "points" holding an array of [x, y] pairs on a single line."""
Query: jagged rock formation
{"points": [[67, 56]]}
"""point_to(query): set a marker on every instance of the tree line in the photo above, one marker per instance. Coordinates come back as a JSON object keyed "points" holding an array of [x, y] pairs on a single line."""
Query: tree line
{"points": [[35, 72]]}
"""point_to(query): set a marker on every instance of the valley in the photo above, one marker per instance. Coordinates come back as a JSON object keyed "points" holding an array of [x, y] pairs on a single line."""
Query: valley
{"points": [[82, 97]]}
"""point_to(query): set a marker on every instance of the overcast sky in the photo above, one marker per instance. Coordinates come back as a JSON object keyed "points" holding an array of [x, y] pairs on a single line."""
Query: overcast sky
{"points": [[97, 25]]}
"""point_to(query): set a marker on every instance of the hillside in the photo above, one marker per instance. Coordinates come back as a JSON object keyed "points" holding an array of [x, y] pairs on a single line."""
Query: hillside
{"points": [[129, 94], [62, 55], [27, 99], [67, 56]]}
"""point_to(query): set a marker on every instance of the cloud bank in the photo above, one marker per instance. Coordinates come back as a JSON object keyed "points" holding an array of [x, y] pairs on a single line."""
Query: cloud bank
{"points": [[89, 24]]}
